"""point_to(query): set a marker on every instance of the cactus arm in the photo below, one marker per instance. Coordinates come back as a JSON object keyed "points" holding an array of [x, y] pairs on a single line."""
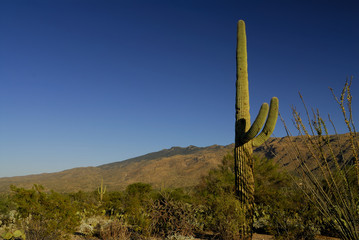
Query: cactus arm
{"points": [[269, 125], [257, 124]]}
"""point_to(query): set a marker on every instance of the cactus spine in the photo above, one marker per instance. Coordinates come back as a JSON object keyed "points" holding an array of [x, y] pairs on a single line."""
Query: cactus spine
{"points": [[101, 190], [246, 135]]}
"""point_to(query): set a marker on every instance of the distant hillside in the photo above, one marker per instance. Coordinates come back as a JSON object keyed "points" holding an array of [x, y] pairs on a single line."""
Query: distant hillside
{"points": [[283, 152], [174, 167]]}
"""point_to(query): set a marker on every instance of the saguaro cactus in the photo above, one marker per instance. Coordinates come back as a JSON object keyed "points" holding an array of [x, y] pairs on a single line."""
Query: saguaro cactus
{"points": [[101, 190], [246, 135]]}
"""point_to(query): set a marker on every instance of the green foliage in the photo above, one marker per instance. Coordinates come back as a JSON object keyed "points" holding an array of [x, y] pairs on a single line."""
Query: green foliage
{"points": [[6, 206], [14, 235], [280, 208], [219, 181], [223, 213], [135, 204], [44, 215], [226, 216], [138, 190], [114, 204], [86, 203], [177, 194], [139, 212]]}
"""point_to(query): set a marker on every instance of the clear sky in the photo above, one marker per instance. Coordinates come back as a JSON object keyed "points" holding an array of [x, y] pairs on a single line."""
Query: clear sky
{"points": [[84, 83]]}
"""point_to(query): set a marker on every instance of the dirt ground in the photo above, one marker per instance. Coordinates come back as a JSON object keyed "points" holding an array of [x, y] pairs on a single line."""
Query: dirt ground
{"points": [[326, 238], [261, 237], [269, 237], [256, 236]]}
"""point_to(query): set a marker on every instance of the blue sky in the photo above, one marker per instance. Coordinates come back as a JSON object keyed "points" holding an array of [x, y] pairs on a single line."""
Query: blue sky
{"points": [[84, 83]]}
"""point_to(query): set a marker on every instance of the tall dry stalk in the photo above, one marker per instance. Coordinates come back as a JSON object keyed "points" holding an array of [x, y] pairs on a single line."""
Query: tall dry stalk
{"points": [[332, 181]]}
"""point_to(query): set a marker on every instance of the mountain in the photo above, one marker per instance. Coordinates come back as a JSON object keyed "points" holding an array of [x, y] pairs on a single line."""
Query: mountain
{"points": [[174, 167]]}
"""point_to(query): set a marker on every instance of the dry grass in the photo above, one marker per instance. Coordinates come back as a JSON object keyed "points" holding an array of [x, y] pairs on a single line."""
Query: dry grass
{"points": [[115, 230], [331, 179]]}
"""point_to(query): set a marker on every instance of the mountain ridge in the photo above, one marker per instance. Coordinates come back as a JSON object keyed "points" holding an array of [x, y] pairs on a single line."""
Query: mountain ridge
{"points": [[173, 167], [118, 175], [158, 154]]}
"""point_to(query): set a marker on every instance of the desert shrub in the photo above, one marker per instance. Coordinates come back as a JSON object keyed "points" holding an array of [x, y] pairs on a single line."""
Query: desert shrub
{"points": [[5, 204], [114, 230], [220, 180], [13, 235], [6, 210], [44, 215], [139, 190], [281, 209], [177, 194], [223, 214], [86, 203], [170, 215], [136, 202], [289, 221], [226, 216], [113, 204], [91, 226], [272, 183]]}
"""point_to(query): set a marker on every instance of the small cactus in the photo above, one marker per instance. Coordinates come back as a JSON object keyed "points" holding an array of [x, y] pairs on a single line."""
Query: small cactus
{"points": [[101, 190]]}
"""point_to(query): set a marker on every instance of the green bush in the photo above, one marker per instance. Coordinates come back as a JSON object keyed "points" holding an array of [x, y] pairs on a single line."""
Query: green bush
{"points": [[223, 214], [14, 235], [136, 203], [86, 203], [113, 204], [6, 208], [44, 215], [281, 209]]}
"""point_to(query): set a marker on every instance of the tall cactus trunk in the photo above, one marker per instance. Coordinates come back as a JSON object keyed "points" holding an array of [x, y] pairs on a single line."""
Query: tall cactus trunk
{"points": [[245, 187], [246, 134]]}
